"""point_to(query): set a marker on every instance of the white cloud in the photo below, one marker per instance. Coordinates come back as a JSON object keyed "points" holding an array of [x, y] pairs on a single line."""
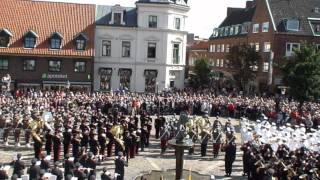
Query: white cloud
{"points": [[203, 16]]}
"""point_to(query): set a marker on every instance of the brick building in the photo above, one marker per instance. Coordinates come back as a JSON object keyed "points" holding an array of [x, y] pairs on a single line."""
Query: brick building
{"points": [[273, 27], [47, 44]]}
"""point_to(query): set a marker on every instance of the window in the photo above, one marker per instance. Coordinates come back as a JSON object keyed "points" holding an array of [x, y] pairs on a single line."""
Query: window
{"points": [[265, 27], [29, 65], [4, 64], [80, 66], [245, 28], [117, 18], [80, 44], [222, 47], [212, 62], [226, 64], [3, 41], [318, 47], [221, 62], [126, 47], [153, 21], [218, 48], [177, 23], [218, 63], [226, 31], [236, 30], [265, 66], [292, 25], [176, 49], [54, 66], [29, 42], [291, 47], [55, 43], [255, 28], [257, 47], [106, 48], [267, 47], [231, 30], [152, 50], [213, 48], [227, 48]]}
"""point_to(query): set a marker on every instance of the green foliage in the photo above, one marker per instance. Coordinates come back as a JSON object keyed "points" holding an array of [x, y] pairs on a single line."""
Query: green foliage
{"points": [[243, 58], [302, 74], [202, 74]]}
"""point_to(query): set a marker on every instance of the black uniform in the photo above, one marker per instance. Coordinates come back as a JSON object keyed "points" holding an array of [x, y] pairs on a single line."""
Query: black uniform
{"points": [[48, 144], [230, 157], [18, 167], [67, 136], [119, 168], [34, 172], [157, 126]]}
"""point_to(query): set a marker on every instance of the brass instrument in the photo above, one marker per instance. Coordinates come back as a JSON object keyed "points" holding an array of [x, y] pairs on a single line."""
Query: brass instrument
{"points": [[35, 127], [303, 176], [117, 132]]}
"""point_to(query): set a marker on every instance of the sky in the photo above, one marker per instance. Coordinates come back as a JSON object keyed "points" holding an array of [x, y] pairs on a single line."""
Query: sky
{"points": [[203, 16]]}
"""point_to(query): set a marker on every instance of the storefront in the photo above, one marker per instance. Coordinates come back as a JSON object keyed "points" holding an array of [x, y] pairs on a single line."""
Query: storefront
{"points": [[125, 78], [105, 79], [150, 80]]}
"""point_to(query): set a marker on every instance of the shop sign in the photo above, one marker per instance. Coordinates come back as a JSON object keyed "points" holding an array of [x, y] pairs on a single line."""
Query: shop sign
{"points": [[54, 76]]}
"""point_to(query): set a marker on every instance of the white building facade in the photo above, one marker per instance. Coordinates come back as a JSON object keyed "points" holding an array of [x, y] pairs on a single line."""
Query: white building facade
{"points": [[141, 49]]}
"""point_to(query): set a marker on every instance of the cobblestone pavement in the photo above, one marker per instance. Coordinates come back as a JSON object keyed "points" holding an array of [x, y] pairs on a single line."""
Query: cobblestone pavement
{"points": [[151, 159]]}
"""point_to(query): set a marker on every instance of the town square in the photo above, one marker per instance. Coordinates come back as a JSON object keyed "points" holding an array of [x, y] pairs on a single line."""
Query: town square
{"points": [[160, 89]]}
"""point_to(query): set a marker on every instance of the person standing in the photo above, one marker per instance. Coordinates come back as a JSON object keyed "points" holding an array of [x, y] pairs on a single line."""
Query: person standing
{"points": [[18, 166], [67, 137], [34, 170], [68, 166], [48, 144], [157, 126], [56, 146], [230, 153], [120, 163], [205, 136]]}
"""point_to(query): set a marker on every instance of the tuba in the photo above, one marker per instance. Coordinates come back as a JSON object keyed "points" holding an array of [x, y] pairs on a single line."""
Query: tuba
{"points": [[117, 132], [35, 127]]}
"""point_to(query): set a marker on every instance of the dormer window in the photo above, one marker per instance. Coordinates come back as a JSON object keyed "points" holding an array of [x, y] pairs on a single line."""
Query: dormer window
{"points": [[56, 40], [30, 39], [117, 15], [81, 42], [292, 24], [117, 18], [5, 36]]}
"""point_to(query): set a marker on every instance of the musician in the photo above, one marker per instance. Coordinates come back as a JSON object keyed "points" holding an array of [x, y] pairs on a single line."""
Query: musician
{"points": [[230, 152], [149, 128], [6, 131], [18, 166], [193, 136], [144, 135], [217, 141], [134, 138], [68, 166], [205, 136], [3, 173], [56, 145], [102, 139], [27, 129], [17, 129], [67, 136], [48, 144], [157, 126], [37, 146], [34, 170], [76, 143], [120, 163], [57, 171], [94, 144], [164, 137], [127, 144], [111, 140]]}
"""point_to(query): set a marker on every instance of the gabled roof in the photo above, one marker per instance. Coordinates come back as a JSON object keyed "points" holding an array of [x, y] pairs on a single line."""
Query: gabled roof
{"points": [[31, 32], [57, 34], [82, 35], [44, 18], [5, 30], [104, 14], [238, 16], [200, 45], [294, 9]]}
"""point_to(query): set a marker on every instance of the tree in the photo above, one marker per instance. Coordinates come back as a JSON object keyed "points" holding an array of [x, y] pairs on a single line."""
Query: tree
{"points": [[244, 59], [202, 74], [302, 74]]}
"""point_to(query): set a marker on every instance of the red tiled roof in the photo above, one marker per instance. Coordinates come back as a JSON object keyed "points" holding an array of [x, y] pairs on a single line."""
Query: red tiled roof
{"points": [[200, 45], [45, 18]]}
